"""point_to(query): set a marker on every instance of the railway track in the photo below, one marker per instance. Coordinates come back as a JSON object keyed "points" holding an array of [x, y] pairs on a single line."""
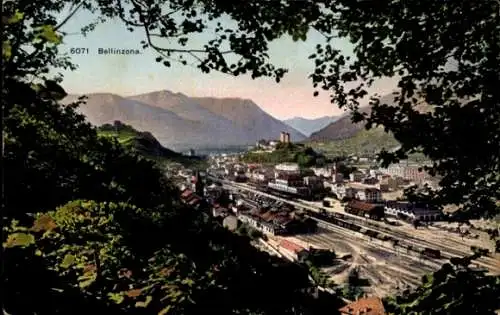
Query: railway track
{"points": [[487, 262], [349, 219]]}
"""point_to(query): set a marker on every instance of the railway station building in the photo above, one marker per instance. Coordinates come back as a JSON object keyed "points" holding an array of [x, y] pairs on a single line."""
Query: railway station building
{"points": [[364, 209]]}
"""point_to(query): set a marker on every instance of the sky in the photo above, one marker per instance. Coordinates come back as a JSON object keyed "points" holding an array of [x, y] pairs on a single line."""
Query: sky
{"points": [[136, 74]]}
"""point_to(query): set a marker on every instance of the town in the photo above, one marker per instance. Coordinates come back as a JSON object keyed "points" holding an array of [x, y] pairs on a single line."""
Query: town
{"points": [[375, 242]]}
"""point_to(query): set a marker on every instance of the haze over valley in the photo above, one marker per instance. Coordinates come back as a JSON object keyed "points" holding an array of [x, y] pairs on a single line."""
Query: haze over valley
{"points": [[180, 122], [308, 126]]}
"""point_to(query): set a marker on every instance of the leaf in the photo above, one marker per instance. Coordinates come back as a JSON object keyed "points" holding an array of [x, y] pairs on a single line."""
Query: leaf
{"points": [[68, 261], [118, 298], [149, 298], [86, 280], [188, 282], [86, 283], [54, 90], [134, 293], [19, 240], [49, 34], [44, 223], [165, 310], [15, 18], [6, 50]]}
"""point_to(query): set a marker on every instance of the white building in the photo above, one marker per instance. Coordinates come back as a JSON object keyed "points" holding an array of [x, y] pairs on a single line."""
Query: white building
{"points": [[322, 171], [411, 212], [356, 176], [260, 175], [368, 194], [287, 167], [341, 191], [375, 173], [394, 170], [313, 182]]}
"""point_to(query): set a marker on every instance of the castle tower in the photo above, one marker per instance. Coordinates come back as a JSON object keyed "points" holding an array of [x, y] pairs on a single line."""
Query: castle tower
{"points": [[282, 136], [287, 137]]}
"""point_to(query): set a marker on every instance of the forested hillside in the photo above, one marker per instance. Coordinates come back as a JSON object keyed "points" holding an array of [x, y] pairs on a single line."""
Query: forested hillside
{"points": [[146, 145], [92, 228]]}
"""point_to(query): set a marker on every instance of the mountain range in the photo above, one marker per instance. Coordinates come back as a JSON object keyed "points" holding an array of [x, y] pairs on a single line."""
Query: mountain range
{"points": [[308, 126], [344, 128], [181, 122]]}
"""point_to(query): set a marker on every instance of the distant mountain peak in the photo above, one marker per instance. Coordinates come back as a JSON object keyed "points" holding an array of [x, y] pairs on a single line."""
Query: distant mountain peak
{"points": [[179, 121], [344, 128], [309, 126]]}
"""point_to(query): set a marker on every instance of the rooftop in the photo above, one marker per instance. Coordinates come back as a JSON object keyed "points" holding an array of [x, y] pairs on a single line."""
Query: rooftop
{"points": [[367, 306], [285, 176], [291, 246], [186, 193], [360, 205]]}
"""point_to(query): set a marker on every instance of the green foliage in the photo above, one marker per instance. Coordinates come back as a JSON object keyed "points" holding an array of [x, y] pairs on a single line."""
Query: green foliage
{"points": [[148, 260], [286, 152], [364, 143], [145, 255], [454, 289], [133, 248], [53, 155], [146, 145], [320, 278], [248, 231], [440, 59], [320, 257]]}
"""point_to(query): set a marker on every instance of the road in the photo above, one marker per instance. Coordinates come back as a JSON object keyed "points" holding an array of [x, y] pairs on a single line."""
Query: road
{"points": [[449, 244]]}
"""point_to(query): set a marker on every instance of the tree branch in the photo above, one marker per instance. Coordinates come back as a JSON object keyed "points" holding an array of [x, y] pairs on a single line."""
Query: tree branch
{"points": [[69, 16]]}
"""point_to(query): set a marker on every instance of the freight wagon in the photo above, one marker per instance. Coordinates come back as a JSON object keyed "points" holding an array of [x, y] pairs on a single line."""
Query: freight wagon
{"points": [[432, 253]]}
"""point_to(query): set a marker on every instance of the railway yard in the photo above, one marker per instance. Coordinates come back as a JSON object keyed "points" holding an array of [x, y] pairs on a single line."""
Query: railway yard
{"points": [[392, 257]]}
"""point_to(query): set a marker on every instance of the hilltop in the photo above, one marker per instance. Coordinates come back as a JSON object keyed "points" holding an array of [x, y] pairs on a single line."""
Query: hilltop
{"points": [[363, 142], [286, 153], [145, 144], [345, 137]]}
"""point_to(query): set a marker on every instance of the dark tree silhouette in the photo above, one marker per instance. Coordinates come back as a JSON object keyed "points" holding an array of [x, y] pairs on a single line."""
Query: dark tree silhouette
{"points": [[446, 56]]}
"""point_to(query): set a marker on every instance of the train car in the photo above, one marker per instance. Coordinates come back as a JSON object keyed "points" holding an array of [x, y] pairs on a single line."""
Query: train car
{"points": [[432, 253], [481, 251]]}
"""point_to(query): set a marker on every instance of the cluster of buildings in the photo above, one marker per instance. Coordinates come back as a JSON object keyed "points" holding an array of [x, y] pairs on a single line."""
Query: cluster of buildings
{"points": [[266, 145], [364, 209], [270, 145], [197, 194], [273, 221], [412, 212], [289, 178], [276, 222], [363, 185], [411, 173], [348, 191]]}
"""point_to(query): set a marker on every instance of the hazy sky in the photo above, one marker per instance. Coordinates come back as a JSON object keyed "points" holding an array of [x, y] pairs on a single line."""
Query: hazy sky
{"points": [[135, 74]]}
